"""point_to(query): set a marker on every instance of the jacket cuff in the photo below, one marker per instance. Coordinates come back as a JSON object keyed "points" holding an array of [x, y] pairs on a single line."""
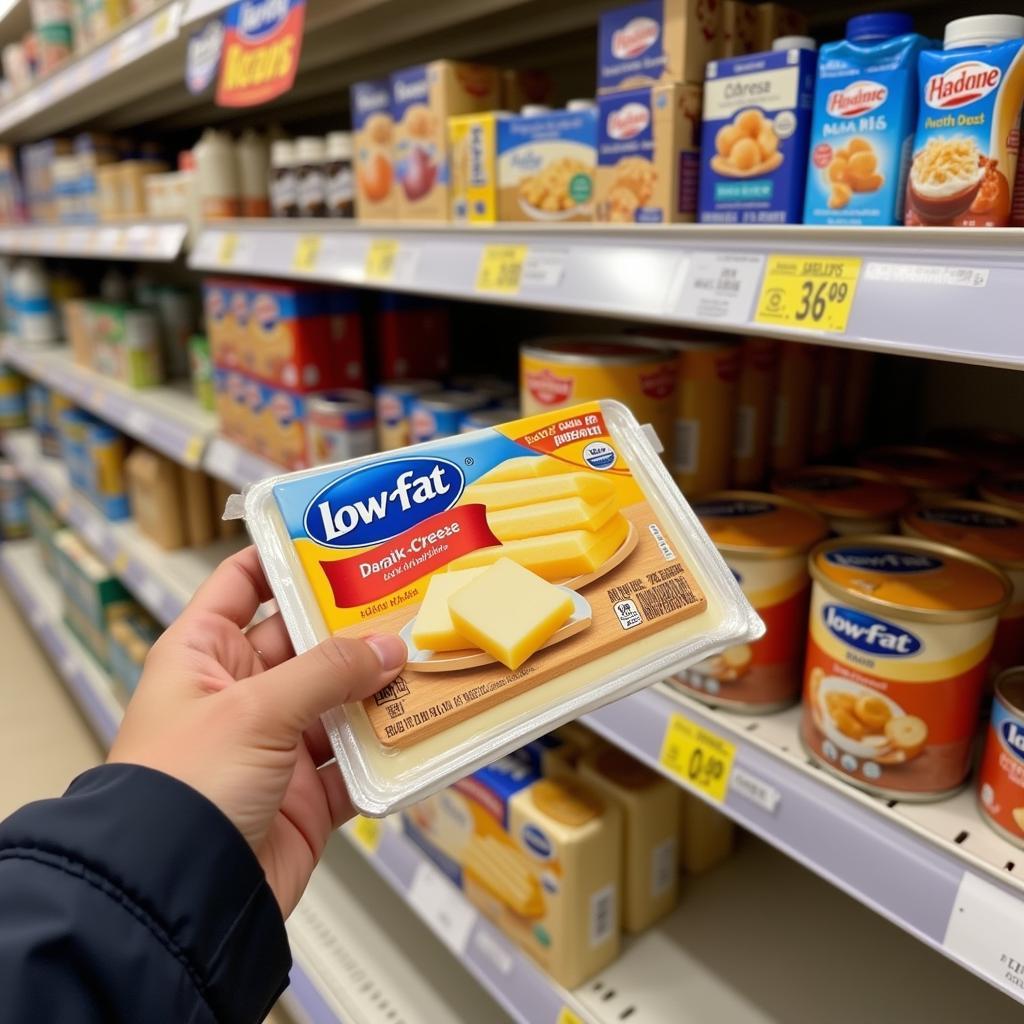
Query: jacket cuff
{"points": [[174, 855]]}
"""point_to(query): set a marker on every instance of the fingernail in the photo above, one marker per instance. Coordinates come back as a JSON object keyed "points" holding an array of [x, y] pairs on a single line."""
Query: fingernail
{"points": [[390, 650]]}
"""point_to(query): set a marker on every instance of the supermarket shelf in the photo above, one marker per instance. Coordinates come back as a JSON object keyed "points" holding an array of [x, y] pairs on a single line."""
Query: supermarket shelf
{"points": [[150, 241], [920, 292], [936, 870], [165, 418], [163, 581], [40, 599], [234, 464]]}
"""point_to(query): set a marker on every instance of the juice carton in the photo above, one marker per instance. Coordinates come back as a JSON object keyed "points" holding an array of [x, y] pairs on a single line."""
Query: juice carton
{"points": [[648, 155], [374, 129], [423, 98], [865, 106], [757, 120]]}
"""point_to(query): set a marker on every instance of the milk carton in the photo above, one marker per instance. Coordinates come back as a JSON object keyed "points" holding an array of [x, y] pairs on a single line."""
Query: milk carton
{"points": [[865, 105]]}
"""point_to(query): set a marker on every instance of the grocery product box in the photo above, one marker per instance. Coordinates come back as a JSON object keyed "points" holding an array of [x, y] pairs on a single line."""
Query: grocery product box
{"points": [[422, 100], [125, 343], [413, 337], [656, 41], [513, 168], [155, 490], [739, 32], [94, 454], [374, 129], [541, 858], [773, 21], [44, 525], [522, 86], [648, 155], [756, 127]]}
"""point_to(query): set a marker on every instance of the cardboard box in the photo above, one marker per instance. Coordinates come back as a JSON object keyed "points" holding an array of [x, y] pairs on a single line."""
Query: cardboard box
{"points": [[738, 29], [422, 100], [773, 21], [540, 858], [374, 128], [706, 836], [648, 155], [195, 495], [413, 338], [154, 482], [519, 87], [656, 41], [512, 168]]}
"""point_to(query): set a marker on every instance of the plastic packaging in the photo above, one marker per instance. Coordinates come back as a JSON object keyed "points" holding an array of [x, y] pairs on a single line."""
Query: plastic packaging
{"points": [[604, 579]]}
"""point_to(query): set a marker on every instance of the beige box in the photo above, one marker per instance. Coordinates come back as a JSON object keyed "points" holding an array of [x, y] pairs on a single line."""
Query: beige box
{"points": [[706, 836], [195, 488], [774, 20], [374, 159], [738, 29], [648, 155], [422, 100], [651, 811], [154, 488], [648, 43], [519, 87]]}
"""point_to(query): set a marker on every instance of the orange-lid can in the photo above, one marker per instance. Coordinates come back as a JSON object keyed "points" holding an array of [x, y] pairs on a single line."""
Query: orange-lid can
{"points": [[929, 472], [898, 648], [764, 540], [990, 532], [755, 409], [1001, 774], [854, 501], [794, 405], [1004, 489]]}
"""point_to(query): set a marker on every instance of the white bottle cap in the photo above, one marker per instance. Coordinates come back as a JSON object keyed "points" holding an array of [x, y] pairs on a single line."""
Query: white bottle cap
{"points": [[983, 30], [282, 153], [533, 109], [794, 43], [580, 105], [339, 146], [310, 149]]}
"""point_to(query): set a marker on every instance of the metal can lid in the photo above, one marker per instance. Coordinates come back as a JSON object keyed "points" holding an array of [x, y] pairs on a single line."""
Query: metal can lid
{"points": [[988, 531], [843, 491], [920, 467], [757, 524]]}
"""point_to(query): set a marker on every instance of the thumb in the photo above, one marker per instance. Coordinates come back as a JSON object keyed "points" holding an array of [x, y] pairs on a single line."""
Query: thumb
{"points": [[341, 669]]}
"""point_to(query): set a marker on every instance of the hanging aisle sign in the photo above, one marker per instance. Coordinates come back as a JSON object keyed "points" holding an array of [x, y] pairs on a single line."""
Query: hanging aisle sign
{"points": [[260, 55]]}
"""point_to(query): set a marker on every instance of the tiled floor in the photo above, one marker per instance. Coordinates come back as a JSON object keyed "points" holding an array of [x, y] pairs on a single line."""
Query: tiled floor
{"points": [[44, 742]]}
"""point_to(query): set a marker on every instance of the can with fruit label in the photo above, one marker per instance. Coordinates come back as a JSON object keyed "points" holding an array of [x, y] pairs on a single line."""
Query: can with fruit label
{"points": [[764, 540], [898, 648], [1001, 775]]}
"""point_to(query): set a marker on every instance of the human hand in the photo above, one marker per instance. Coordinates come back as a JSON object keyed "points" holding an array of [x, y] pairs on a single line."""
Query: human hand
{"points": [[235, 715]]}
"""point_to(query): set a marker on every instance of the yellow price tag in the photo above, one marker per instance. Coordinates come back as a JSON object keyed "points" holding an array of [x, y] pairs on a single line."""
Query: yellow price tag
{"points": [[307, 248], [366, 832], [699, 757], [120, 563], [808, 292], [501, 269], [226, 249], [194, 450], [163, 25], [380, 260], [121, 241], [567, 1016]]}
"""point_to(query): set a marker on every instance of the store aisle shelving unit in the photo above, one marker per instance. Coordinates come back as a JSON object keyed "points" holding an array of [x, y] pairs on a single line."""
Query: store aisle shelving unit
{"points": [[147, 241]]}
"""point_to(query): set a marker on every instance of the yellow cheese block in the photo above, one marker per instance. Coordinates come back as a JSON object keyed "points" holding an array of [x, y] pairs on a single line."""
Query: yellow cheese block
{"points": [[526, 467], [509, 612], [506, 873], [513, 493], [433, 629], [550, 517], [555, 556]]}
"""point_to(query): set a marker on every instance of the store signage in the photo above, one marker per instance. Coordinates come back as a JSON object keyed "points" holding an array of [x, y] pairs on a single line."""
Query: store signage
{"points": [[202, 58]]}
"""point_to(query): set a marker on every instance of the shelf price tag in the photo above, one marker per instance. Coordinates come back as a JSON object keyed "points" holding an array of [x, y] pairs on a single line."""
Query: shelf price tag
{"points": [[698, 756], [366, 832], [226, 248], [380, 260], [307, 249], [501, 269], [567, 1016], [808, 292], [194, 449]]}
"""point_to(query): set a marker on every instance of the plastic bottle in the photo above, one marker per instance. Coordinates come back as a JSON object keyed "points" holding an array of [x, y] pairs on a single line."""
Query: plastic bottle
{"points": [[341, 183], [579, 106], [217, 167], [284, 196], [35, 320], [253, 170], [311, 177]]}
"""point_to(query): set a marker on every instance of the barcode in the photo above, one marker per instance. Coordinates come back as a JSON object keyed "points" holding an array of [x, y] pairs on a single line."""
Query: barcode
{"points": [[663, 867], [746, 416], [603, 915], [665, 598], [687, 445], [662, 543]]}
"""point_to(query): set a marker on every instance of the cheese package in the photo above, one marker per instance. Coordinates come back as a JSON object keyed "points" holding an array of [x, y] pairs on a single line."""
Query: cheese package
{"points": [[541, 858], [550, 560]]}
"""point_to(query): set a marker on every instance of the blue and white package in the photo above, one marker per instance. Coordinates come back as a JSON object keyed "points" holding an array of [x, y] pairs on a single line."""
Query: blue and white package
{"points": [[757, 123], [865, 108]]}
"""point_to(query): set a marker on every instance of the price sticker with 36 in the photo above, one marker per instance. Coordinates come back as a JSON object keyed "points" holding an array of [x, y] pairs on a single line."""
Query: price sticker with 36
{"points": [[701, 759], [501, 269], [813, 293]]}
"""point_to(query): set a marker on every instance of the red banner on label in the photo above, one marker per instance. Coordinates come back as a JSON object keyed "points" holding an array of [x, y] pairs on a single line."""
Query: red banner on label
{"points": [[260, 55], [426, 547], [586, 427]]}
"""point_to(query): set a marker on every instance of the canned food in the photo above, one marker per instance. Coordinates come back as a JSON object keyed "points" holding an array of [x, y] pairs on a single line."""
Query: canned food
{"points": [[828, 403], [857, 373], [853, 501], [702, 444], [394, 401], [555, 373], [755, 407], [931, 473], [994, 450], [481, 418], [990, 532], [794, 403], [442, 414], [339, 426], [764, 540], [1001, 774], [897, 652], [1005, 489]]}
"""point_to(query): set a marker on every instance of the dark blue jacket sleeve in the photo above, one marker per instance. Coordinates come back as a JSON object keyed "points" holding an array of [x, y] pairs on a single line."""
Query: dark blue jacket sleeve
{"points": [[133, 899]]}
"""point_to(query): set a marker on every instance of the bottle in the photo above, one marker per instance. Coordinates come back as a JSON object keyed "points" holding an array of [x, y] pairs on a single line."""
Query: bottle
{"points": [[311, 177], [253, 170], [35, 321], [217, 167], [284, 197], [580, 106], [341, 183]]}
